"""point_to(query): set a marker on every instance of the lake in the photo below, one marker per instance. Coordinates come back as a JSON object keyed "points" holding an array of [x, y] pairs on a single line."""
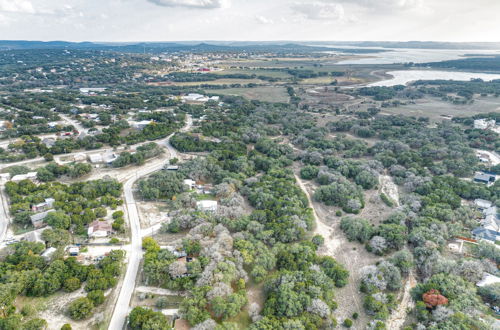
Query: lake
{"points": [[407, 55], [405, 76]]}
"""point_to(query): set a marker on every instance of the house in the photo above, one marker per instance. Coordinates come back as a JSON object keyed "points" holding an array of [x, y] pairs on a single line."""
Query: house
{"points": [[91, 91], [172, 168], [140, 125], [491, 219], [37, 219], [109, 157], [207, 205], [73, 251], [486, 178], [487, 235], [190, 183], [21, 177], [95, 158], [99, 229], [47, 254], [482, 204], [80, 157], [34, 236], [49, 202], [177, 253], [488, 279], [484, 123], [49, 142], [198, 98]]}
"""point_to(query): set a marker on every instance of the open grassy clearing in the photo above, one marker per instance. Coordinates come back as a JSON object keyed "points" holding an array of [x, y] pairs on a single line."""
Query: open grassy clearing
{"points": [[438, 110], [262, 93], [258, 72]]}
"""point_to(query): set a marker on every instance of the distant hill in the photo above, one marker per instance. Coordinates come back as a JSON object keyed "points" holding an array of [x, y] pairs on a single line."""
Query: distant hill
{"points": [[160, 47], [417, 44]]}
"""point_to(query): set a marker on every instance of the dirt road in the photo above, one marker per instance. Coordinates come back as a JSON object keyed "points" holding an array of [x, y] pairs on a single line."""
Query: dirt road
{"points": [[350, 254]]}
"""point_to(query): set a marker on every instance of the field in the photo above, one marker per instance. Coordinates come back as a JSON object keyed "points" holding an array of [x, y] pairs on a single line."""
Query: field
{"points": [[438, 110], [261, 93]]}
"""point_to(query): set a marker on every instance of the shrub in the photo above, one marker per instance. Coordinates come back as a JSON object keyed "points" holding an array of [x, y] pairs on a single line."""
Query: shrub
{"points": [[80, 308], [96, 296], [71, 284], [347, 323], [386, 200]]}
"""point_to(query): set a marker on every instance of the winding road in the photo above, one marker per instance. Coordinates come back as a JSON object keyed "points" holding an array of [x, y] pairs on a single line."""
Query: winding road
{"points": [[135, 255]]}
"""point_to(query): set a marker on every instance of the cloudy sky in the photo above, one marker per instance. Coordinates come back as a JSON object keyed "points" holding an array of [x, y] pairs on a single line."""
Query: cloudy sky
{"points": [[168, 20]]}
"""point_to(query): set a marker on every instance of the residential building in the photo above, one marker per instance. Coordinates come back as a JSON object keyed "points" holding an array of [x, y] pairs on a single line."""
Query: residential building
{"points": [[49, 202], [487, 235], [488, 279], [34, 236], [140, 125], [47, 254], [73, 251], [99, 229], [482, 204], [207, 205], [95, 158], [37, 219], [190, 183], [484, 123], [483, 177], [49, 142], [27, 176]]}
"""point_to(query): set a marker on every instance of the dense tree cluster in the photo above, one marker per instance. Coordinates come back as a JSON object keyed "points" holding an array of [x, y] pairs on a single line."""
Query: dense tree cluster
{"points": [[76, 205]]}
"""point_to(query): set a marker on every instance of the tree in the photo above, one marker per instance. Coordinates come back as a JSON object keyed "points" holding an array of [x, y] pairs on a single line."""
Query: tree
{"points": [[71, 284], [66, 326], [356, 229], [96, 296], [309, 172], [141, 318], [35, 324], [433, 298], [80, 308], [58, 219]]}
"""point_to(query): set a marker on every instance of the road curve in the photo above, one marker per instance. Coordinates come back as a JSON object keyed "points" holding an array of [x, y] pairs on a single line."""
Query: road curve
{"points": [[121, 309]]}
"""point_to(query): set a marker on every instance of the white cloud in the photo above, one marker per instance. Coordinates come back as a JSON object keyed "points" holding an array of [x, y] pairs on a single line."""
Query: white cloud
{"points": [[203, 4], [263, 19], [319, 10], [388, 5], [17, 6]]}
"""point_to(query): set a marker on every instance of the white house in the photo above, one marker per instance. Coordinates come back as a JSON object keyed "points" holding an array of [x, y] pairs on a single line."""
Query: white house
{"points": [[21, 177], [190, 183], [99, 229], [484, 123], [488, 279], [207, 205], [96, 158], [47, 254]]}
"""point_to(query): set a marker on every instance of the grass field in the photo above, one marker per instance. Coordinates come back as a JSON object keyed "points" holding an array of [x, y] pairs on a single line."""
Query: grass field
{"points": [[437, 110], [218, 82], [261, 93], [258, 72]]}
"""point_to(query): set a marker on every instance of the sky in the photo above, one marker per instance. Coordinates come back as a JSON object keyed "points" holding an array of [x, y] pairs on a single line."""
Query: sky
{"points": [[250, 20]]}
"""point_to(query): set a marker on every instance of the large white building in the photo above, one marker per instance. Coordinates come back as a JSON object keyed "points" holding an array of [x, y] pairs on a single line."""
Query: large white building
{"points": [[484, 123]]}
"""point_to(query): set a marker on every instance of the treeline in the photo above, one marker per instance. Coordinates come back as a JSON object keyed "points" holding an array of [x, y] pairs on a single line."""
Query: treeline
{"points": [[142, 153], [76, 205], [53, 171]]}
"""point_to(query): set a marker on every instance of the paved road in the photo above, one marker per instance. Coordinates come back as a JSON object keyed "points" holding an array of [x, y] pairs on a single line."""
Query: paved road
{"points": [[75, 123], [134, 259]]}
